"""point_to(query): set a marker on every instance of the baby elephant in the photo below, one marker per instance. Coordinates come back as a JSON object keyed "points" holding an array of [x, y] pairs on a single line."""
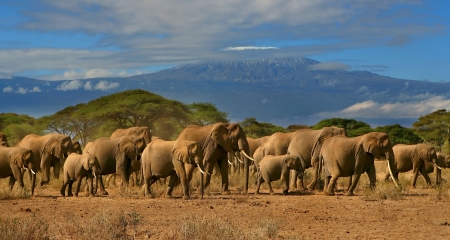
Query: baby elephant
{"points": [[272, 168], [76, 168]]}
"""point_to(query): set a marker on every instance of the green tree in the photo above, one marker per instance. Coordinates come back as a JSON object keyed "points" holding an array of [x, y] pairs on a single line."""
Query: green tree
{"points": [[434, 128], [295, 127], [255, 129], [399, 134], [16, 126], [203, 113], [138, 108], [352, 127]]}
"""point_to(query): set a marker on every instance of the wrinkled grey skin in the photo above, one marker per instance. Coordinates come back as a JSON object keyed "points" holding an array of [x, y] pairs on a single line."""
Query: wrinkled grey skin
{"points": [[114, 156], [13, 160], [48, 150], [78, 167], [140, 132], [420, 158], [272, 168], [306, 145], [162, 159], [350, 157]]}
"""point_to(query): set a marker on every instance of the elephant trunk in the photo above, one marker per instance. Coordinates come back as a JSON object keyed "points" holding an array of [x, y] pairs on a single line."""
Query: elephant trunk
{"points": [[391, 160]]}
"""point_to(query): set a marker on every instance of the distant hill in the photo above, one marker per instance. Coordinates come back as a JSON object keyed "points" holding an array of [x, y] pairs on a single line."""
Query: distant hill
{"points": [[283, 91]]}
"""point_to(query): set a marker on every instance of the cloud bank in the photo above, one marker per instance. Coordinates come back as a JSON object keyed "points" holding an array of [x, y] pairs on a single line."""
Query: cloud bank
{"points": [[77, 84], [372, 109], [133, 34]]}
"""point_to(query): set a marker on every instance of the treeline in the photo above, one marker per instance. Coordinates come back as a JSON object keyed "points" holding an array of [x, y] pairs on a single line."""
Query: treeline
{"points": [[100, 117]]}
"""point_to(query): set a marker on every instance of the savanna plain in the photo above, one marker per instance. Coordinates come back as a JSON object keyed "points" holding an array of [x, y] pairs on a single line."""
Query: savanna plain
{"points": [[384, 213]]}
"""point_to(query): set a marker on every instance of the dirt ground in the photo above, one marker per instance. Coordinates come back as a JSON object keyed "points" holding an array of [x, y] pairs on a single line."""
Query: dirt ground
{"points": [[418, 215]]}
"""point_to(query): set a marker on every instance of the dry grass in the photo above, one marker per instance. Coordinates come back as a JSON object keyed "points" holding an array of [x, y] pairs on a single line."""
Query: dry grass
{"points": [[101, 225], [28, 228], [215, 228]]}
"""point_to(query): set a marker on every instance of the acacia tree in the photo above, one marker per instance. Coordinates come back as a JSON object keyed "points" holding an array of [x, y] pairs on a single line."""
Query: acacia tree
{"points": [[434, 128], [399, 134], [255, 129], [138, 108], [352, 127], [203, 113]]}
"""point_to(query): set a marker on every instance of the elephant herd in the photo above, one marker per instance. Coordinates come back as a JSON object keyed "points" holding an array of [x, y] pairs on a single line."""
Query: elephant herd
{"points": [[286, 156]]}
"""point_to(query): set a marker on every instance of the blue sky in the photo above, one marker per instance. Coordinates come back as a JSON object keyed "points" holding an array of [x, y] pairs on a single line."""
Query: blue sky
{"points": [[61, 40]]}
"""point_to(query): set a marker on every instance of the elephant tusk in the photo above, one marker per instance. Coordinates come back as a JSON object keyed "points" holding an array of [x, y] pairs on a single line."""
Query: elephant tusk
{"points": [[437, 166], [201, 170], [32, 171], [247, 156], [392, 175], [239, 160], [229, 162]]}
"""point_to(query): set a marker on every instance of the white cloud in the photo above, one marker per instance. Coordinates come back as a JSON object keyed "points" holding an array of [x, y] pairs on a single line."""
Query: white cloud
{"points": [[8, 89], [247, 48], [330, 83], [69, 85], [362, 89], [372, 109], [329, 66], [35, 89], [105, 85], [88, 85], [22, 90]]}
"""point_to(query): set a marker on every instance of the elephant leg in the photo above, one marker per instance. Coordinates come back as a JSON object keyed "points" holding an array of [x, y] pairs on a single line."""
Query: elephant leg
{"points": [[349, 185], [123, 174], [270, 188], [189, 168], [259, 180], [331, 185], [172, 182], [354, 180], [415, 175], [100, 186], [46, 175], [56, 168], [424, 173], [77, 186], [285, 181], [293, 179], [315, 176], [371, 173], [69, 190], [63, 188], [223, 166], [12, 180], [438, 176]]}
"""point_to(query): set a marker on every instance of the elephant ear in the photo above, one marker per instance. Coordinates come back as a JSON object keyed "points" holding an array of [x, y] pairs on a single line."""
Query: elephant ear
{"points": [[370, 144], [16, 158], [53, 146], [289, 161], [221, 136], [181, 151]]}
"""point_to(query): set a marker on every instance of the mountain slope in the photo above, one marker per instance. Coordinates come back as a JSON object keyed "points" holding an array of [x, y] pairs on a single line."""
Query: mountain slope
{"points": [[283, 91]]}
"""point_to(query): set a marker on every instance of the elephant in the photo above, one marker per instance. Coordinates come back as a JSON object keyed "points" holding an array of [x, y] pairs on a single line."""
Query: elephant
{"points": [[272, 168], [77, 147], [114, 156], [48, 150], [443, 161], [217, 140], [3, 140], [306, 144], [140, 132], [421, 158], [76, 168], [342, 156], [253, 144], [162, 159], [12, 161], [135, 177]]}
